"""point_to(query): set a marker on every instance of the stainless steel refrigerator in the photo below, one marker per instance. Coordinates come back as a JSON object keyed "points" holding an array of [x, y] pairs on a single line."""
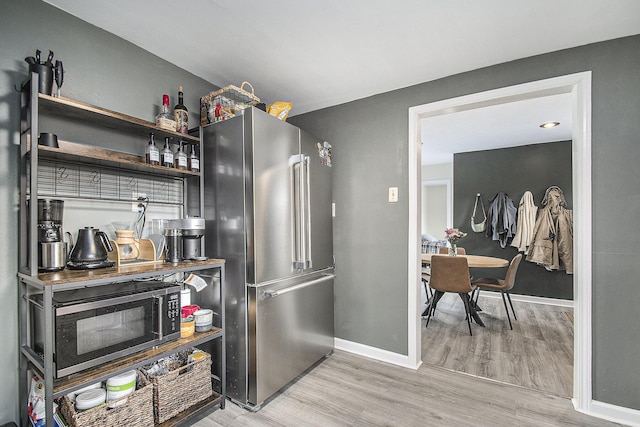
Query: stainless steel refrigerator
{"points": [[268, 212]]}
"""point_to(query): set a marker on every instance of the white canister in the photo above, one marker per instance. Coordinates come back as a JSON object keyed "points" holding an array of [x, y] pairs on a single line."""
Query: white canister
{"points": [[72, 395], [120, 386], [203, 316], [90, 399], [185, 297]]}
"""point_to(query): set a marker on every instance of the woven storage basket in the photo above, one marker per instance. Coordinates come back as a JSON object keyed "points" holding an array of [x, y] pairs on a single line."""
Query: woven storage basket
{"points": [[137, 411], [229, 100], [181, 388]]}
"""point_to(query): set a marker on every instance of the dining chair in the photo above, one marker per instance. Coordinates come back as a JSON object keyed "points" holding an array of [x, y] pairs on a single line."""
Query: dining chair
{"points": [[445, 250], [503, 285], [451, 274]]}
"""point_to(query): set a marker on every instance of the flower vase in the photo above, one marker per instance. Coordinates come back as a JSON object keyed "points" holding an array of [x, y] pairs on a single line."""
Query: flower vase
{"points": [[453, 250]]}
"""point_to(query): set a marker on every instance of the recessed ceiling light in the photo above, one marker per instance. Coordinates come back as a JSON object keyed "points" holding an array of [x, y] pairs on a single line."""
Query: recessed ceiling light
{"points": [[549, 125]]}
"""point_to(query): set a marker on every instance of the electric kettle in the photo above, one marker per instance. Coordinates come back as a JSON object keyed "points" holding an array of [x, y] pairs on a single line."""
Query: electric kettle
{"points": [[90, 250]]}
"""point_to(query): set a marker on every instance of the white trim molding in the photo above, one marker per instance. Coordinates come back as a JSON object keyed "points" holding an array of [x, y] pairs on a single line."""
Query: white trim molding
{"points": [[532, 299], [618, 414], [376, 353], [579, 85]]}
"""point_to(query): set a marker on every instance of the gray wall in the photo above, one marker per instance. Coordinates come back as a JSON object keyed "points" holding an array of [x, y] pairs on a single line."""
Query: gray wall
{"points": [[370, 141], [100, 69], [512, 170]]}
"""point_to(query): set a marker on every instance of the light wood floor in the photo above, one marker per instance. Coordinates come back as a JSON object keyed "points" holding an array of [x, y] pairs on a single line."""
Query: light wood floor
{"points": [[349, 390], [537, 353]]}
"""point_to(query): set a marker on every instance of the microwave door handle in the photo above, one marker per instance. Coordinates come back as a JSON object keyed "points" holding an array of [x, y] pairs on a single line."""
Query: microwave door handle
{"points": [[159, 303]]}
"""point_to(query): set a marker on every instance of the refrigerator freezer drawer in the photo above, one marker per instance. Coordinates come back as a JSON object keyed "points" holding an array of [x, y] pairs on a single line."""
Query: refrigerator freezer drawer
{"points": [[292, 328]]}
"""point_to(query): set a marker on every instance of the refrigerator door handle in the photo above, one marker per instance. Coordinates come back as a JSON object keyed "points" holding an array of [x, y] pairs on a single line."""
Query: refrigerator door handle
{"points": [[298, 220], [307, 213], [274, 294]]}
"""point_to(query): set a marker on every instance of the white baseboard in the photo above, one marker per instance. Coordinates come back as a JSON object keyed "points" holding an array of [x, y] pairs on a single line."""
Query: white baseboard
{"points": [[532, 299], [375, 353], [617, 414]]}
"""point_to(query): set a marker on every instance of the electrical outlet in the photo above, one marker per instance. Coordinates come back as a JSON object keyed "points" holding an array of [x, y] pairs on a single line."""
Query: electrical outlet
{"points": [[393, 194], [138, 197]]}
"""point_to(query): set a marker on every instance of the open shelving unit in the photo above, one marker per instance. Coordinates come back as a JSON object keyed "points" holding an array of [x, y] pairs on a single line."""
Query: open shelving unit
{"points": [[111, 163]]}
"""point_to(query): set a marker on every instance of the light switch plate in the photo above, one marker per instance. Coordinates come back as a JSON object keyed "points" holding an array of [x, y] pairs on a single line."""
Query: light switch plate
{"points": [[393, 194]]}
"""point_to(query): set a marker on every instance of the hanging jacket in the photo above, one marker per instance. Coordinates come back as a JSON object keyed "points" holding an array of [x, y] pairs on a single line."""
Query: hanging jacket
{"points": [[552, 244], [526, 223], [501, 219]]}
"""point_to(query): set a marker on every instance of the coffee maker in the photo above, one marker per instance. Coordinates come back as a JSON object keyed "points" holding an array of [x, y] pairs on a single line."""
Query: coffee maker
{"points": [[52, 250], [192, 232]]}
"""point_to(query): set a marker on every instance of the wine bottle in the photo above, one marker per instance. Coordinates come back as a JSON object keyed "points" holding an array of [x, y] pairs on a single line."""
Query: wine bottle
{"points": [[181, 114], [194, 160], [164, 120], [181, 157], [167, 154], [152, 154]]}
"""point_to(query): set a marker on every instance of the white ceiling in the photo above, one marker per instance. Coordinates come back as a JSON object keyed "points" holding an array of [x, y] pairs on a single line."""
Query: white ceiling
{"points": [[498, 126], [317, 54]]}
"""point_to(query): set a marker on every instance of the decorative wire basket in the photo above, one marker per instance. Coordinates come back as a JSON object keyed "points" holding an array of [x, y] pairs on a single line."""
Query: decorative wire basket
{"points": [[135, 411], [181, 388], [226, 103]]}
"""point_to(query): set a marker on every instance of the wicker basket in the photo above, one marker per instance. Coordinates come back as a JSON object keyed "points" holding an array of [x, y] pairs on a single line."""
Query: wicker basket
{"points": [[225, 103], [137, 411], [181, 388]]}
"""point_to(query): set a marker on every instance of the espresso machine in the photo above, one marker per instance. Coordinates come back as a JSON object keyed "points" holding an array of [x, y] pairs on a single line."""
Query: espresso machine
{"points": [[52, 250]]}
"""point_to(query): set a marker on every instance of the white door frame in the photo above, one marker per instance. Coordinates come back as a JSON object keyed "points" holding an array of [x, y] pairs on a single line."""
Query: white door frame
{"points": [[579, 85]]}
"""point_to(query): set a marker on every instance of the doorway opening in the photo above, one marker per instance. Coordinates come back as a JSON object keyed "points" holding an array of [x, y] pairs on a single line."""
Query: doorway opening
{"points": [[579, 86]]}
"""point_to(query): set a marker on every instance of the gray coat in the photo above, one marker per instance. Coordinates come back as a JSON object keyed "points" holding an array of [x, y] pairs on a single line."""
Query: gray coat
{"points": [[501, 219]]}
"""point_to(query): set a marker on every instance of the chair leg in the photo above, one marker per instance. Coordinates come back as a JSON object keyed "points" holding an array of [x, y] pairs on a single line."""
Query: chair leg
{"points": [[467, 308], [504, 301], [432, 306], [511, 304]]}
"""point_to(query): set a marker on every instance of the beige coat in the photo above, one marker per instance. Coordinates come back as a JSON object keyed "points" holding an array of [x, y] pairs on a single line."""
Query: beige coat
{"points": [[552, 244], [527, 211]]}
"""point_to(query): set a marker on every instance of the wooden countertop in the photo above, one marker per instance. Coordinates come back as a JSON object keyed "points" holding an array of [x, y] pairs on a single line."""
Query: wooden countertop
{"points": [[103, 275]]}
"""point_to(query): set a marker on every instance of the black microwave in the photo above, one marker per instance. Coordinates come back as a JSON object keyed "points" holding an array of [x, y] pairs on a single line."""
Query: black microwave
{"points": [[99, 324]]}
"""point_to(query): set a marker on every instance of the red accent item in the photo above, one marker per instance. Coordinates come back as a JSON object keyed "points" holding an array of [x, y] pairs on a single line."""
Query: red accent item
{"points": [[188, 310], [165, 99]]}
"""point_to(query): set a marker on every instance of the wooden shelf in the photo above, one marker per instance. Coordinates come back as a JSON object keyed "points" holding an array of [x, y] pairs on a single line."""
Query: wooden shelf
{"points": [[73, 152], [71, 278], [107, 370], [77, 110]]}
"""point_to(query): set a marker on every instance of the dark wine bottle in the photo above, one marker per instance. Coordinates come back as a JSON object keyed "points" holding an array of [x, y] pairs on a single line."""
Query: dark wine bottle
{"points": [[181, 114]]}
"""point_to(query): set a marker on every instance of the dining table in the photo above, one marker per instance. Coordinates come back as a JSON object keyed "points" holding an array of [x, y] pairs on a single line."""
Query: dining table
{"points": [[474, 261]]}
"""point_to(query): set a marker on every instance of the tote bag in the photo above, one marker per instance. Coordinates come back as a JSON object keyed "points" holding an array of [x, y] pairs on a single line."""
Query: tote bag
{"points": [[481, 226]]}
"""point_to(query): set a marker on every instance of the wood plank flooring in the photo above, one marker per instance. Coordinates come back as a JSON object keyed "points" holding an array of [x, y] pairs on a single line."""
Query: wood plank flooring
{"points": [[349, 390], [537, 353]]}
